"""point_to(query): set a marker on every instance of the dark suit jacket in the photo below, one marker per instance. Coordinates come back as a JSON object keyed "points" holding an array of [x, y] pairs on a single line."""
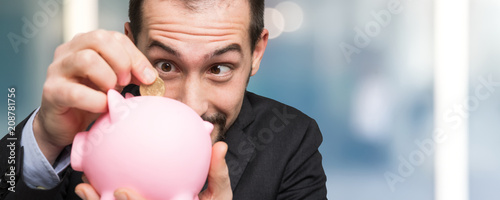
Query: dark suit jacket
{"points": [[273, 154]]}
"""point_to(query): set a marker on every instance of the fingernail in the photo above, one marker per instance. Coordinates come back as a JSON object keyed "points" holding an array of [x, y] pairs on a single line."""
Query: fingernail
{"points": [[149, 75], [81, 194], [120, 196]]}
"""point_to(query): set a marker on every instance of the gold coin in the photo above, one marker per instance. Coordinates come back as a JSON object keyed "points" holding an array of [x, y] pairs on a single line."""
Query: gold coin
{"points": [[155, 89]]}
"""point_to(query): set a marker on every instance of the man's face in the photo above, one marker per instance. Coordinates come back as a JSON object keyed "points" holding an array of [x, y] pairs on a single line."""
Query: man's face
{"points": [[203, 54]]}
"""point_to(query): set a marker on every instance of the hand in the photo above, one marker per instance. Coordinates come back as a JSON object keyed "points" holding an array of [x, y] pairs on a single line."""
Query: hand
{"points": [[87, 192], [74, 93], [219, 185]]}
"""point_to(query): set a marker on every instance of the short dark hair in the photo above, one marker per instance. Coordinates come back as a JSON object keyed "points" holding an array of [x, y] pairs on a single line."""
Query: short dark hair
{"points": [[255, 29]]}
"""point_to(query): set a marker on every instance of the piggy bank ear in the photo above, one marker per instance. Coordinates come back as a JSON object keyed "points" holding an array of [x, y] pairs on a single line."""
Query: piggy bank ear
{"points": [[128, 95], [208, 126], [116, 105]]}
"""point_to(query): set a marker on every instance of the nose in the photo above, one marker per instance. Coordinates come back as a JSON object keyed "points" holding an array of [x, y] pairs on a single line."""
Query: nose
{"points": [[194, 96]]}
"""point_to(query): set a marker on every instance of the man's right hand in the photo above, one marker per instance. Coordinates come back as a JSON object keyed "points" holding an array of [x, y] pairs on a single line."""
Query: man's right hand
{"points": [[74, 93]]}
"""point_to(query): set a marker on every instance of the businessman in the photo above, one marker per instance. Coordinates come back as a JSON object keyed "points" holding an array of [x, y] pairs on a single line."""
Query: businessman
{"points": [[205, 51]]}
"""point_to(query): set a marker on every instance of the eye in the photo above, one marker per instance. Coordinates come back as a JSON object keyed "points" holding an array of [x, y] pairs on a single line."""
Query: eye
{"points": [[165, 66], [220, 70]]}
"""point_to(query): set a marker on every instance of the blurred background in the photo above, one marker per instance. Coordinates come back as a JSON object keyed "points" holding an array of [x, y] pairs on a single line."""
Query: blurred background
{"points": [[371, 90]]}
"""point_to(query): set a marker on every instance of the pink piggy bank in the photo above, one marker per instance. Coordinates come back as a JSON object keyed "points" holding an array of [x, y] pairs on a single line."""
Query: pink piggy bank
{"points": [[155, 145]]}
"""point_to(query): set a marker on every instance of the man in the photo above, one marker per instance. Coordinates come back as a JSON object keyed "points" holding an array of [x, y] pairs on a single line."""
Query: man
{"points": [[205, 51]]}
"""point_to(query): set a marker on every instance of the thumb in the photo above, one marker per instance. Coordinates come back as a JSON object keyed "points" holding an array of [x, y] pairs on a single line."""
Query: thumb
{"points": [[219, 184], [218, 173]]}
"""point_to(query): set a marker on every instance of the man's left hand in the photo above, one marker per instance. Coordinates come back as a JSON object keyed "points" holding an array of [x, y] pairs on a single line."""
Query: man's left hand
{"points": [[219, 185]]}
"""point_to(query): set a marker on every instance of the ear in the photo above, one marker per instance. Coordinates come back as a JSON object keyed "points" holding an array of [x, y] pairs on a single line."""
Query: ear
{"points": [[258, 52], [116, 105], [128, 31], [128, 95], [208, 126]]}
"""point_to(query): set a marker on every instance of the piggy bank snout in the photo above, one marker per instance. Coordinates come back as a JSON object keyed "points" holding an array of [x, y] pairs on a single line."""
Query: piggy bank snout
{"points": [[77, 151]]}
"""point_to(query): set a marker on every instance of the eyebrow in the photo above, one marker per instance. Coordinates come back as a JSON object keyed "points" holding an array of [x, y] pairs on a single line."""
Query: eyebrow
{"points": [[230, 48], [164, 47]]}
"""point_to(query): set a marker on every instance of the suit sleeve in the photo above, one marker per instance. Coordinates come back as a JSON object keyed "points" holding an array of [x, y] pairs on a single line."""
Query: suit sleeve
{"points": [[12, 185], [304, 177]]}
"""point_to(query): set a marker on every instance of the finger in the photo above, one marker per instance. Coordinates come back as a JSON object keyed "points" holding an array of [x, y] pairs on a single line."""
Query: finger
{"points": [[106, 45], [121, 54], [138, 82], [61, 50], [142, 71], [88, 64], [86, 192], [70, 94], [127, 194]]}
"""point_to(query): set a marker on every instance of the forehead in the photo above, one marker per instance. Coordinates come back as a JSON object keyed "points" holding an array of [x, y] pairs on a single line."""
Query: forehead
{"points": [[198, 17]]}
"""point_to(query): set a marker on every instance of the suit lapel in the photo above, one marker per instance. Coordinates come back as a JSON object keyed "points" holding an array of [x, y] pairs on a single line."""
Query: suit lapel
{"points": [[240, 146]]}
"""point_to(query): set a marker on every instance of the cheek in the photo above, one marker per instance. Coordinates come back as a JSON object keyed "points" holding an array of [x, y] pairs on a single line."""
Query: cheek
{"points": [[173, 88], [227, 97]]}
